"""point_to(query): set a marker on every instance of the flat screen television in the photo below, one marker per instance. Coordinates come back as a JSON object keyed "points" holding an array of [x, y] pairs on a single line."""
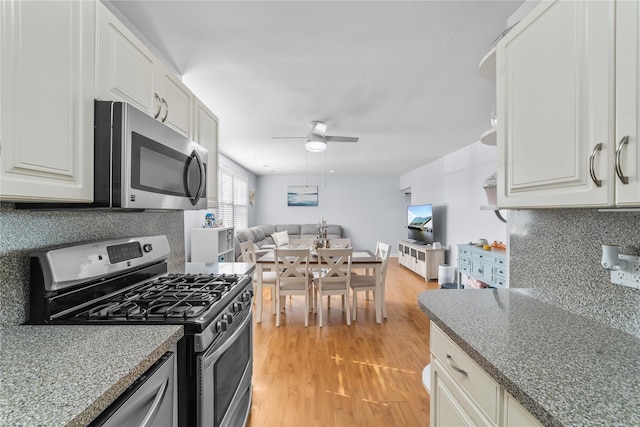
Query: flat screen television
{"points": [[420, 223]]}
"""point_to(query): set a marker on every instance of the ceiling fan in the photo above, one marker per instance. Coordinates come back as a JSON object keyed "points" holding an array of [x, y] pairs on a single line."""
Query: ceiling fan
{"points": [[317, 138]]}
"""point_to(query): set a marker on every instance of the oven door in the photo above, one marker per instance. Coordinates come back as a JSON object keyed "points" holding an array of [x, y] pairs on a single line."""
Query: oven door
{"points": [[225, 371]]}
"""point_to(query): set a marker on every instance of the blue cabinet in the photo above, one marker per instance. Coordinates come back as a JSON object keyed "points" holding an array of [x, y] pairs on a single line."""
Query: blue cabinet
{"points": [[488, 266]]}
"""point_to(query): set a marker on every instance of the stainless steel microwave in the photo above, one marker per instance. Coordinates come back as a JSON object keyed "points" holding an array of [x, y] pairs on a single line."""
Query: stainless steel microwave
{"points": [[140, 163]]}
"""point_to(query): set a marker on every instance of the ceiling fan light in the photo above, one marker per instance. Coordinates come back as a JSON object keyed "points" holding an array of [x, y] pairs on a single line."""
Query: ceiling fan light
{"points": [[315, 146]]}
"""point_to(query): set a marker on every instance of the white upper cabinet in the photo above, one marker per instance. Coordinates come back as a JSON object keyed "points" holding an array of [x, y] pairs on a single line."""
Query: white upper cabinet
{"points": [[627, 104], [206, 134], [128, 71], [177, 102], [569, 107], [556, 94], [47, 85]]}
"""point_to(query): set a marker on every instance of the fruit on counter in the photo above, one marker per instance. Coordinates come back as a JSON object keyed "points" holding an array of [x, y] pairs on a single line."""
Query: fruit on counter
{"points": [[498, 245]]}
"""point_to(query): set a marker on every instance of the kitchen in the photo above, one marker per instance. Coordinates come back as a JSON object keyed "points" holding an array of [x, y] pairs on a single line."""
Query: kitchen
{"points": [[569, 237]]}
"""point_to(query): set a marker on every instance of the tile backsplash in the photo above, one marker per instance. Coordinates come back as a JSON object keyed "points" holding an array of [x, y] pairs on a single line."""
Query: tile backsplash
{"points": [[22, 231], [556, 254]]}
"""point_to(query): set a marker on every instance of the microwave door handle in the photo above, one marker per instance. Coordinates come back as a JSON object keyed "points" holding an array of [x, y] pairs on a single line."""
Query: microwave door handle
{"points": [[195, 196]]}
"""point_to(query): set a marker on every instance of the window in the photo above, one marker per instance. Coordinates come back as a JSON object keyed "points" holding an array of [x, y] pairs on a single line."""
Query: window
{"points": [[232, 199]]}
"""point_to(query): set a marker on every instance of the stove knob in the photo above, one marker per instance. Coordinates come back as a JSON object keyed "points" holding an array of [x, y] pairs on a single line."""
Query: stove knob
{"points": [[222, 326], [246, 297], [227, 318], [147, 247], [237, 306]]}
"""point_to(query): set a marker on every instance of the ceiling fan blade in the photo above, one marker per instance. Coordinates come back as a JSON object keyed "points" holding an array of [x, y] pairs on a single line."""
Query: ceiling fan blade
{"points": [[332, 138]]}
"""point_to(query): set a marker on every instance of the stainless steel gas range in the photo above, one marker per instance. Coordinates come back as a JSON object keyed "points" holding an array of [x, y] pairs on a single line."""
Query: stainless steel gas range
{"points": [[125, 281]]}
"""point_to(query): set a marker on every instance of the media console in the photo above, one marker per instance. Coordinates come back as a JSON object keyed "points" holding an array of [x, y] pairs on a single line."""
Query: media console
{"points": [[421, 259]]}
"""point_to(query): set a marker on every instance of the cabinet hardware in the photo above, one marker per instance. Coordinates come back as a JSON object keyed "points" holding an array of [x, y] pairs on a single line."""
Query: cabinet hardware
{"points": [[592, 159], [624, 141], [155, 95], [166, 109], [455, 368]]}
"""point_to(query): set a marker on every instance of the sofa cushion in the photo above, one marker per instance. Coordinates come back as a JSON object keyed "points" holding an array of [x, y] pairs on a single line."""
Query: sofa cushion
{"points": [[281, 238], [244, 235], [334, 231], [268, 229], [292, 229], [307, 230]]}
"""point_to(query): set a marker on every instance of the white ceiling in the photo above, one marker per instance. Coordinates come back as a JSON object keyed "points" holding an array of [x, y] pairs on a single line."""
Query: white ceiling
{"points": [[401, 75]]}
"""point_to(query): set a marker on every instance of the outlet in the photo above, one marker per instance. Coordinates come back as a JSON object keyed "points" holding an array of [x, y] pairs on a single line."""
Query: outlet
{"points": [[629, 276]]}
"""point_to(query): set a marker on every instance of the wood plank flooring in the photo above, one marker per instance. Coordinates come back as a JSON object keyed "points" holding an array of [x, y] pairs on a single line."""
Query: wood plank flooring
{"points": [[365, 374]]}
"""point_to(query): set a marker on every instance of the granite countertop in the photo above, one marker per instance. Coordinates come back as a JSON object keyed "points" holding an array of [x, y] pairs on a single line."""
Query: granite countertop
{"points": [[565, 369], [67, 375]]}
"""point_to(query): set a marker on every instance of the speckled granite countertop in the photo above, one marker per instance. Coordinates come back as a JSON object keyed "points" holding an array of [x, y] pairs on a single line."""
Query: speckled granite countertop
{"points": [[565, 369], [67, 375]]}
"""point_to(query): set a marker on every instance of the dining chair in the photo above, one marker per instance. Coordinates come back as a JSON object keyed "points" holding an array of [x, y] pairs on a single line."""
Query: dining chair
{"points": [[368, 271], [300, 243], [365, 283], [248, 254], [293, 277], [344, 242], [335, 278]]}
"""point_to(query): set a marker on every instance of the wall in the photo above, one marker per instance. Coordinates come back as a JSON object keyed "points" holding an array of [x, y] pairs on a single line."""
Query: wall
{"points": [[369, 208], [556, 254], [453, 183], [23, 231]]}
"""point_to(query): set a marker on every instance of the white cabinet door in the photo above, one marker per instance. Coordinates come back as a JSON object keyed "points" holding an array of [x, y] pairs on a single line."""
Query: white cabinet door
{"points": [[47, 86], [177, 101], [516, 415], [125, 67], [555, 105], [129, 72], [628, 103], [206, 134], [449, 405]]}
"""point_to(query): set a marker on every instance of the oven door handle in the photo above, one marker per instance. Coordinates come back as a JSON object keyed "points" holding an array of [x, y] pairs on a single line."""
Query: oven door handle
{"points": [[213, 354], [155, 406]]}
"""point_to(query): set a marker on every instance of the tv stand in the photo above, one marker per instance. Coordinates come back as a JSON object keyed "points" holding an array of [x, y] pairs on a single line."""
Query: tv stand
{"points": [[420, 258]]}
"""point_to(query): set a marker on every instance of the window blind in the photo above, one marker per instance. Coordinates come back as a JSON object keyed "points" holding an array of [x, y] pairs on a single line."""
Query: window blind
{"points": [[232, 199]]}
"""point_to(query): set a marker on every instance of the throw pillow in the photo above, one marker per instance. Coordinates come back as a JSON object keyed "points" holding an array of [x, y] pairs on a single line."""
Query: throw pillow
{"points": [[281, 238]]}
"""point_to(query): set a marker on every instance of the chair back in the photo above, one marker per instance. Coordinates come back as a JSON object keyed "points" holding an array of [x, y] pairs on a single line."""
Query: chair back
{"points": [[382, 251], [247, 253], [300, 243], [292, 266], [344, 242], [337, 265]]}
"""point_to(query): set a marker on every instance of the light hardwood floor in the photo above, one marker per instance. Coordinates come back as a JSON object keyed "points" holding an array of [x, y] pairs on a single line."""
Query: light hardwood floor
{"points": [[365, 374]]}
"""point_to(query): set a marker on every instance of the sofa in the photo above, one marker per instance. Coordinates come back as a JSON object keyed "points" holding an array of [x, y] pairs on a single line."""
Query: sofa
{"points": [[261, 234]]}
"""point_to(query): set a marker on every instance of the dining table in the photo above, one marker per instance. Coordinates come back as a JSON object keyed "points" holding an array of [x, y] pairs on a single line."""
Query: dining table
{"points": [[361, 259]]}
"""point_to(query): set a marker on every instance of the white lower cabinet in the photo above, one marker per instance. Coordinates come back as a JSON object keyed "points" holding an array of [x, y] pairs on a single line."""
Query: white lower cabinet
{"points": [[47, 85], [421, 259], [516, 415], [462, 393], [450, 406]]}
